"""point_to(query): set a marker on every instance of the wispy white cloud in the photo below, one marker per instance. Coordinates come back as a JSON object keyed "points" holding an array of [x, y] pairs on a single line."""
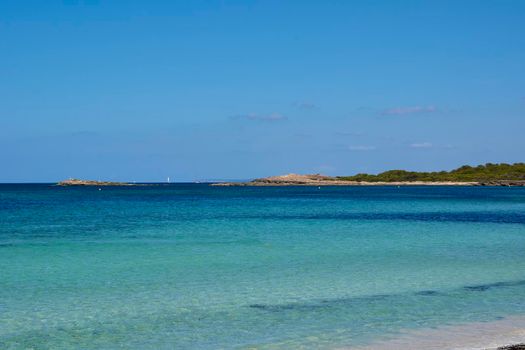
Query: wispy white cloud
{"points": [[362, 148], [272, 117], [409, 110], [421, 145]]}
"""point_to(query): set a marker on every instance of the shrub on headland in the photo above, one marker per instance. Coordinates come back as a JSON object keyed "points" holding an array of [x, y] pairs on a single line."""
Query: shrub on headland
{"points": [[466, 173]]}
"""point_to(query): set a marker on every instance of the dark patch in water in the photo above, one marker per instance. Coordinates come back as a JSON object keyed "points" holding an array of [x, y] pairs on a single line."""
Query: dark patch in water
{"points": [[480, 288], [367, 298], [345, 302], [427, 292], [484, 217], [322, 304], [285, 307], [484, 287]]}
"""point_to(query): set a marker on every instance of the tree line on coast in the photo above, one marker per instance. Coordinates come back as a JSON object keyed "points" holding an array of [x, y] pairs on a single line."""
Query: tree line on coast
{"points": [[466, 173]]}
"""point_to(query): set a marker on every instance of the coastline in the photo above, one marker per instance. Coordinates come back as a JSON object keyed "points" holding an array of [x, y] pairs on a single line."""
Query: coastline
{"points": [[347, 183], [323, 180], [505, 334]]}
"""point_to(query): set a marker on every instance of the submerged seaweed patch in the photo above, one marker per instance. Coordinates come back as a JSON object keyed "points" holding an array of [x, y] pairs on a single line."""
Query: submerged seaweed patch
{"points": [[484, 287], [327, 303], [427, 292], [482, 217]]}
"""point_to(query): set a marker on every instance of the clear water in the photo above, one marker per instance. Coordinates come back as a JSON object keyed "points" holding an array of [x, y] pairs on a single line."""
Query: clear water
{"points": [[200, 267]]}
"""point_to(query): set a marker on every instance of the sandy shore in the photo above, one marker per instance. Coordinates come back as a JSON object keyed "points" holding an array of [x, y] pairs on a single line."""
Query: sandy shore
{"points": [[471, 336]]}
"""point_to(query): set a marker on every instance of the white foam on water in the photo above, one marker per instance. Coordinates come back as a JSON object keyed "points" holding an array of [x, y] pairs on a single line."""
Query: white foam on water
{"points": [[470, 336]]}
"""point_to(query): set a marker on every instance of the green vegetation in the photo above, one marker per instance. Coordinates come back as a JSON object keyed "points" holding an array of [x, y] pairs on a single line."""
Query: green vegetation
{"points": [[487, 172]]}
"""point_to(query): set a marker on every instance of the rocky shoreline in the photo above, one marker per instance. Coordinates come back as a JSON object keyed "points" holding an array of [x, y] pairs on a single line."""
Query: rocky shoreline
{"points": [[508, 183], [513, 347], [312, 180], [77, 182], [322, 180]]}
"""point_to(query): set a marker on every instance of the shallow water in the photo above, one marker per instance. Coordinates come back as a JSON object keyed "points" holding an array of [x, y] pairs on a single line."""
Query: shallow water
{"points": [[488, 335], [194, 266]]}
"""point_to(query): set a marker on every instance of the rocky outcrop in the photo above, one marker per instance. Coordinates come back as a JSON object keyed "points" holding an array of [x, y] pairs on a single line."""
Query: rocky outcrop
{"points": [[288, 180], [295, 179], [513, 347], [507, 183], [322, 180], [77, 182]]}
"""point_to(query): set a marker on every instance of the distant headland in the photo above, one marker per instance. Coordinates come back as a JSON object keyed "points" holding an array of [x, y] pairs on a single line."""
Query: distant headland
{"points": [[483, 175]]}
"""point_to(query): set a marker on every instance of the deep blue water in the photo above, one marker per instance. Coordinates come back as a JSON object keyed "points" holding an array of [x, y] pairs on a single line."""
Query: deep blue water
{"points": [[189, 266]]}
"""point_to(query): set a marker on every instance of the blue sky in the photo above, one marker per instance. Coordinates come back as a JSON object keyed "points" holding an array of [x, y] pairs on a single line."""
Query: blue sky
{"points": [[142, 90]]}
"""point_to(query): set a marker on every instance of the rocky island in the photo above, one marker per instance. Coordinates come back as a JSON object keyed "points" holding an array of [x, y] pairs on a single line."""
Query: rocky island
{"points": [[77, 182]]}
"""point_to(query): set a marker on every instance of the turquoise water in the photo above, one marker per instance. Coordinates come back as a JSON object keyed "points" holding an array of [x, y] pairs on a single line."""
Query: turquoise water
{"points": [[200, 267]]}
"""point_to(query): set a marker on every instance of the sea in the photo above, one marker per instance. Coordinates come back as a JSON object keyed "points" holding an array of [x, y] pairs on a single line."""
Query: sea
{"points": [[193, 266]]}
